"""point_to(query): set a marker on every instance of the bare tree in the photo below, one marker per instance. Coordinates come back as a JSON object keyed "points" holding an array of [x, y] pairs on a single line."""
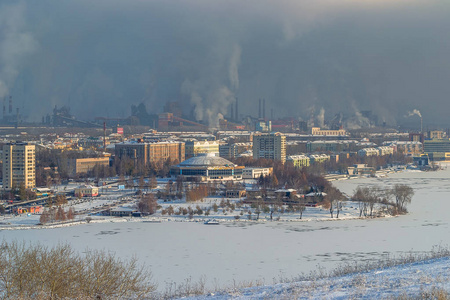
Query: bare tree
{"points": [[333, 195], [39, 272], [147, 204], [403, 195]]}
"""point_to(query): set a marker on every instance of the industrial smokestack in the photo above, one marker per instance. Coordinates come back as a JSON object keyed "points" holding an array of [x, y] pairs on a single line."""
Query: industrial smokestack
{"points": [[10, 105], [236, 110], [232, 112], [264, 109], [4, 107], [104, 136], [259, 111], [271, 113]]}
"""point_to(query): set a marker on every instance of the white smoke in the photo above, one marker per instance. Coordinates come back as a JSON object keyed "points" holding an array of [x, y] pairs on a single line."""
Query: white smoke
{"points": [[210, 93], [15, 44], [321, 118], [414, 112], [235, 60]]}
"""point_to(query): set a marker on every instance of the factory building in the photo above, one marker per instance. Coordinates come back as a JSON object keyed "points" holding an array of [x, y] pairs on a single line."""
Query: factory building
{"points": [[270, 146], [19, 165]]}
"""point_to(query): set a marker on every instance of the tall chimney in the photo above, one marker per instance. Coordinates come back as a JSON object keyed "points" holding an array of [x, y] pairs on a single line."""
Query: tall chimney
{"points": [[104, 136], [236, 111], [259, 112], [264, 109], [4, 107], [232, 112], [10, 105], [271, 113]]}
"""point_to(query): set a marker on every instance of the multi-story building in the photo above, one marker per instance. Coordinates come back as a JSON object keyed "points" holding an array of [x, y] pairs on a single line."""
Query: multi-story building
{"points": [[299, 160], [437, 149], [270, 146], [146, 153], [326, 132], [436, 134], [406, 147], [255, 172], [194, 148], [368, 152], [385, 150], [318, 158], [233, 150], [84, 165], [19, 165], [263, 126]]}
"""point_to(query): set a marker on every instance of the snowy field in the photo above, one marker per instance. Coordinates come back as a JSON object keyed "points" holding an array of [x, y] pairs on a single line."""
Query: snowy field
{"points": [[263, 251], [409, 280]]}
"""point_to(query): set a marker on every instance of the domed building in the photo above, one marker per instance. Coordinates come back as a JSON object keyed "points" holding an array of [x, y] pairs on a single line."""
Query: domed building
{"points": [[207, 167]]}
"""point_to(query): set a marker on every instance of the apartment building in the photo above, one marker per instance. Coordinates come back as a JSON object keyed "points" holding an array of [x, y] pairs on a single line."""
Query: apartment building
{"points": [[151, 152], [84, 165], [270, 146], [194, 148], [19, 165]]}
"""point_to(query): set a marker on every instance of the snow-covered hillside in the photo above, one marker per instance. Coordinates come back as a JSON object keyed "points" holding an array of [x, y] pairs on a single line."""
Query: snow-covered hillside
{"points": [[413, 280]]}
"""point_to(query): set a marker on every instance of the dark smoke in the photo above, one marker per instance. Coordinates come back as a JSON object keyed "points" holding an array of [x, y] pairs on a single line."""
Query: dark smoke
{"points": [[101, 56]]}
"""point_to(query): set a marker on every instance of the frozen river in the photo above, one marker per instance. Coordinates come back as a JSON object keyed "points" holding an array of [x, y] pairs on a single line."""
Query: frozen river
{"points": [[248, 252]]}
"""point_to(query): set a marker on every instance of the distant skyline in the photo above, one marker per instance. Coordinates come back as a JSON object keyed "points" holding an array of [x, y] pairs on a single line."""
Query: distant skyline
{"points": [[101, 57]]}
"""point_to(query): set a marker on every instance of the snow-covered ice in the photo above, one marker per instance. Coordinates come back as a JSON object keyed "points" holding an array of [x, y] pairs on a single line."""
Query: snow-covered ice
{"points": [[250, 251]]}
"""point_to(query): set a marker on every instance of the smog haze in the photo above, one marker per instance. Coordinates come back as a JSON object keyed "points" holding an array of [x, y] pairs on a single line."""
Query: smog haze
{"points": [[328, 56]]}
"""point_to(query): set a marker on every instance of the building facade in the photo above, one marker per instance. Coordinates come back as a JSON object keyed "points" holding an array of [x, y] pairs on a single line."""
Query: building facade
{"points": [[326, 132], [270, 146], [255, 172], [84, 165], [437, 149], [207, 167], [145, 153], [299, 161], [194, 148], [19, 165]]}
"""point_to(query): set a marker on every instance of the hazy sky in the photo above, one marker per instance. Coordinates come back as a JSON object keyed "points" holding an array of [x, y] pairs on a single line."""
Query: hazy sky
{"points": [[389, 56]]}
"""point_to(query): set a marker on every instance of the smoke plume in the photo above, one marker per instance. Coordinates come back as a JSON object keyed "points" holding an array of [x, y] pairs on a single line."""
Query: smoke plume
{"points": [[373, 54], [414, 112], [16, 43], [321, 118]]}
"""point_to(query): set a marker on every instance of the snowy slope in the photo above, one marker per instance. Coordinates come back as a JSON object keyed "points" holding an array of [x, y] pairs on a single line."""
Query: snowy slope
{"points": [[410, 279]]}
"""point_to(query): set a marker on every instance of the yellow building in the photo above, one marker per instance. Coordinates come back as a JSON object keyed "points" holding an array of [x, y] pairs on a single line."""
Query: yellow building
{"points": [[84, 165], [19, 165], [318, 131], [194, 148], [299, 160]]}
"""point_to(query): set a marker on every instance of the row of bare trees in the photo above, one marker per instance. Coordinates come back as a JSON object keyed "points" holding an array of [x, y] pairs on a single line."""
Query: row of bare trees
{"points": [[396, 199], [54, 214], [41, 272]]}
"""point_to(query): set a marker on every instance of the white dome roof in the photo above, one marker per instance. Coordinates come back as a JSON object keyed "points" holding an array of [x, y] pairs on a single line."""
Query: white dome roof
{"points": [[205, 160]]}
